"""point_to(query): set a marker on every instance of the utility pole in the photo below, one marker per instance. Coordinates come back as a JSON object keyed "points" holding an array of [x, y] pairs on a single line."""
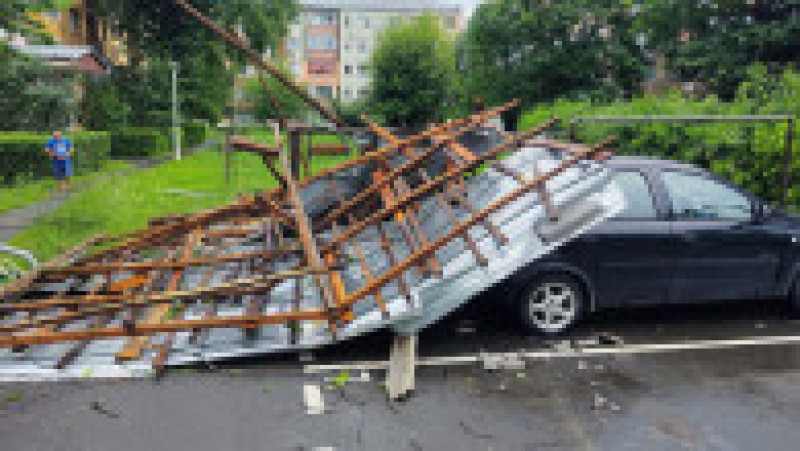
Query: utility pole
{"points": [[176, 131]]}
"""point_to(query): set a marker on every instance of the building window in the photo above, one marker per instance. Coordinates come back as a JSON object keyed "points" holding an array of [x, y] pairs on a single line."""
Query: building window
{"points": [[321, 43], [322, 19], [348, 70], [347, 92], [363, 93], [347, 21], [74, 21], [450, 22], [363, 69], [347, 46], [362, 46], [325, 91], [366, 23]]}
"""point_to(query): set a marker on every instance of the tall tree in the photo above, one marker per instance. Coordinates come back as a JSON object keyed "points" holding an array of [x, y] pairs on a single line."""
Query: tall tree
{"points": [[714, 41], [264, 102], [539, 49], [413, 69], [30, 99], [157, 31], [15, 17]]}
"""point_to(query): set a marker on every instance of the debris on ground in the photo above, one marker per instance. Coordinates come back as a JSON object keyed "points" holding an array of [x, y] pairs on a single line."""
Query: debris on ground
{"points": [[409, 230]]}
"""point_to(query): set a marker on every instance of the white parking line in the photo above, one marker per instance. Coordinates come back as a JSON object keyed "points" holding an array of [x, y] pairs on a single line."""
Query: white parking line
{"points": [[571, 353], [313, 399]]}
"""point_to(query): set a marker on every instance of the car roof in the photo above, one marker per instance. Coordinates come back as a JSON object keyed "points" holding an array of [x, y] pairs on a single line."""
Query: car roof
{"points": [[641, 162]]}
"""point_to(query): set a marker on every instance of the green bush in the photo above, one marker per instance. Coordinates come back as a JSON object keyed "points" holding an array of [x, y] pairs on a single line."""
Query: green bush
{"points": [[749, 155], [194, 134], [139, 142], [23, 155]]}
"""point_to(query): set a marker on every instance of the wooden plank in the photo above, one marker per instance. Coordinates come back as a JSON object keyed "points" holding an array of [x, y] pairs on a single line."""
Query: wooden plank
{"points": [[166, 326], [304, 230], [179, 264], [30, 277], [387, 249], [133, 347], [397, 270], [426, 188]]}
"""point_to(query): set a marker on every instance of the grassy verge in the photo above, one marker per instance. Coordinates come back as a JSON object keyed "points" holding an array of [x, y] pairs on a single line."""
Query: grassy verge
{"points": [[25, 193], [123, 204]]}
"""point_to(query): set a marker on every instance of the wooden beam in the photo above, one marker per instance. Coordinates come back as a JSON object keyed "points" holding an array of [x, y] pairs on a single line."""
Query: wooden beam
{"points": [[355, 229], [237, 287], [397, 270], [178, 264], [152, 328], [21, 284], [133, 347], [304, 230]]}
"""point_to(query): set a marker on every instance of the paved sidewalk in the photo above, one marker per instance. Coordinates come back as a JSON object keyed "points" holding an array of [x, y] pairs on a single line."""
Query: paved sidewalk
{"points": [[15, 221]]}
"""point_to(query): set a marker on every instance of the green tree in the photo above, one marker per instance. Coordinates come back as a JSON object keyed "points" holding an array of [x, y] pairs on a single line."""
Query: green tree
{"points": [[263, 101], [413, 69], [30, 96], [539, 50], [15, 17], [157, 32], [714, 41]]}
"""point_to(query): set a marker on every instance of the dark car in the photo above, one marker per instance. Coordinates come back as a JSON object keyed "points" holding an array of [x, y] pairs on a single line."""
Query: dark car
{"points": [[685, 235]]}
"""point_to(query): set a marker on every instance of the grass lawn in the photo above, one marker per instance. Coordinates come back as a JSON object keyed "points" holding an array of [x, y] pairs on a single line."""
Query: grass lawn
{"points": [[124, 204], [26, 193]]}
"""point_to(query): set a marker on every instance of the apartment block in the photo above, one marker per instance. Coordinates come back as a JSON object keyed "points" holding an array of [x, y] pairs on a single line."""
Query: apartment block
{"points": [[330, 44]]}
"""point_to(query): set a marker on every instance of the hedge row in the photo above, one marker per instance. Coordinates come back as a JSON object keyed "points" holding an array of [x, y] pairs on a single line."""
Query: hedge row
{"points": [[194, 134], [139, 142], [23, 155], [749, 155]]}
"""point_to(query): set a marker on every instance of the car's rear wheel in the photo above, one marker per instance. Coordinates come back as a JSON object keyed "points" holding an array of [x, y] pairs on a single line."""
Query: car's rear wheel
{"points": [[552, 304]]}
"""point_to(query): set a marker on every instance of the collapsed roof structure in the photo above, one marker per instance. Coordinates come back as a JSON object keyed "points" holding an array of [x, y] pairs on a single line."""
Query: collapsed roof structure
{"points": [[398, 236]]}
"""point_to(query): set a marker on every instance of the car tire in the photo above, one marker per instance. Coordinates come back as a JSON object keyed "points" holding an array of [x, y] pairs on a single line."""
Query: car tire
{"points": [[552, 304]]}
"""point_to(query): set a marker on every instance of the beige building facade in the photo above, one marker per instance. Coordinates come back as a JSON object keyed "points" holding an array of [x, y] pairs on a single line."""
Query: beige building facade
{"points": [[330, 45]]}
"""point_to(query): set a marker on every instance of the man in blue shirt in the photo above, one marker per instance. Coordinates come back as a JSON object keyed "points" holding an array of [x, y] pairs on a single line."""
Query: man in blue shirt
{"points": [[59, 148]]}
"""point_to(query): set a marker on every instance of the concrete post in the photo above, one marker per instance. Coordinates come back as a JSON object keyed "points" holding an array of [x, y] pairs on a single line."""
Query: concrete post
{"points": [[402, 365]]}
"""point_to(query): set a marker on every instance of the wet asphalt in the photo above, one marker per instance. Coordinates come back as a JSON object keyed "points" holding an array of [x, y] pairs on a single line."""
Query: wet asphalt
{"points": [[742, 398]]}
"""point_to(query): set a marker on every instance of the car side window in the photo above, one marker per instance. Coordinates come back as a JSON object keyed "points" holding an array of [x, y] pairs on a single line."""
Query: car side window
{"points": [[695, 197], [638, 198]]}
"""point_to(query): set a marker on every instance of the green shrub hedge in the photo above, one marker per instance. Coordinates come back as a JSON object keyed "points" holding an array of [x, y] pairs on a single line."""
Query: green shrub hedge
{"points": [[139, 142], [23, 155], [194, 134], [749, 155]]}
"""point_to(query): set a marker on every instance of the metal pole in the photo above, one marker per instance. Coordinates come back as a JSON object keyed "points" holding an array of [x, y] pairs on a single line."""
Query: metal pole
{"points": [[176, 132]]}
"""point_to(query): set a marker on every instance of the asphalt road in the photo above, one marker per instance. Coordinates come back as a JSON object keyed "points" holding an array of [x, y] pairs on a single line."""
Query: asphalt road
{"points": [[741, 398]]}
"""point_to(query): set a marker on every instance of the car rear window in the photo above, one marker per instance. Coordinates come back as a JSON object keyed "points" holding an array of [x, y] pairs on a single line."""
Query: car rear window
{"points": [[638, 198]]}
